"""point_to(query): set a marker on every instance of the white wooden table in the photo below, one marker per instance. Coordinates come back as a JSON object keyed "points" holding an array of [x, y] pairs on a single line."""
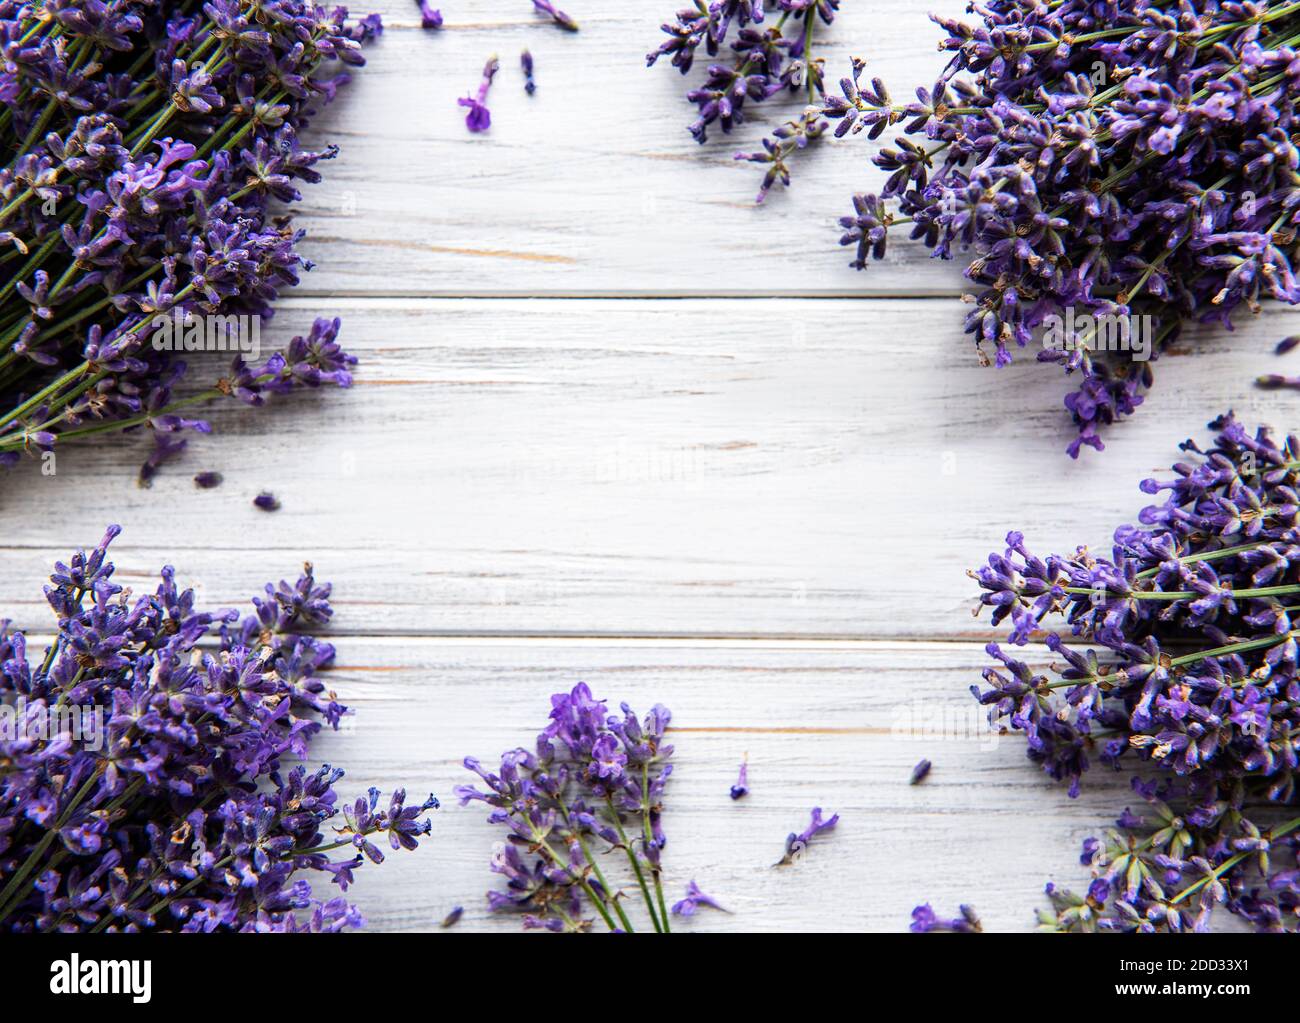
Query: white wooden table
{"points": [[613, 423]]}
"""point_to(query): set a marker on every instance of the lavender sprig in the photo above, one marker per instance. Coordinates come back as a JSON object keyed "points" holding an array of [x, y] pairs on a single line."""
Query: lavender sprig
{"points": [[144, 189], [146, 778], [1138, 176], [761, 63], [592, 778], [1179, 653]]}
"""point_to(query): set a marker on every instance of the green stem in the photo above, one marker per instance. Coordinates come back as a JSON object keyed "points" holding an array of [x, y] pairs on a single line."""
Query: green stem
{"points": [[636, 866], [604, 885], [12, 893], [649, 839], [1257, 592], [1232, 861]]}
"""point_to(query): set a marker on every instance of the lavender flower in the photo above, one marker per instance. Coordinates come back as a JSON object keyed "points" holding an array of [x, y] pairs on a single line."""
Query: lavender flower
{"points": [[207, 480], [429, 16], [694, 900], [797, 845], [150, 190], [266, 501], [924, 921], [557, 16], [479, 117], [591, 780], [453, 918], [920, 772], [1135, 177], [526, 62], [1180, 655], [741, 788], [759, 63], [154, 746]]}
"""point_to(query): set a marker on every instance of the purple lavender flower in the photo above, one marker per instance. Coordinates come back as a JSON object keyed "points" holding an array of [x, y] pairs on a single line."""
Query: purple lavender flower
{"points": [[207, 480], [924, 921], [593, 780], [694, 900], [151, 190], [479, 117], [761, 63], [741, 788], [179, 810], [797, 845], [1132, 178], [429, 16], [267, 501], [526, 62], [453, 918], [920, 772], [1181, 651], [557, 16]]}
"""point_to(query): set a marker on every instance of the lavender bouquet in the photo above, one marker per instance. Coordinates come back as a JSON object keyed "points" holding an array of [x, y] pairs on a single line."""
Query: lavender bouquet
{"points": [[1183, 663], [591, 779], [1113, 169], [762, 61], [144, 150], [141, 776]]}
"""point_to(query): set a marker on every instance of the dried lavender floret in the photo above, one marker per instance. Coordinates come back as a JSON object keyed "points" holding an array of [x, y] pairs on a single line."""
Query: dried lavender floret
{"points": [[797, 844], [266, 501], [694, 900], [526, 63], [207, 480], [741, 788], [1179, 653], [453, 918], [557, 16], [430, 17], [1136, 178], [925, 921], [479, 118], [920, 772], [156, 744]]}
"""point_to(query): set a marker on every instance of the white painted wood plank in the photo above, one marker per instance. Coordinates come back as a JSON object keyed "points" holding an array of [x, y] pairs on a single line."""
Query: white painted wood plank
{"points": [[593, 185], [836, 725], [721, 467]]}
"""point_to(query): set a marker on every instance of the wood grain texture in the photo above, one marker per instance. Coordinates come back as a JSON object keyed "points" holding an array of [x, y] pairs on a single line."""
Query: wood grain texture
{"points": [[838, 725], [724, 467], [593, 185]]}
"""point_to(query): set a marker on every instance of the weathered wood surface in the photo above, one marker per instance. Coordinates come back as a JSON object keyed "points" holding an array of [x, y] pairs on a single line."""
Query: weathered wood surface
{"points": [[836, 725], [593, 185], [701, 467]]}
